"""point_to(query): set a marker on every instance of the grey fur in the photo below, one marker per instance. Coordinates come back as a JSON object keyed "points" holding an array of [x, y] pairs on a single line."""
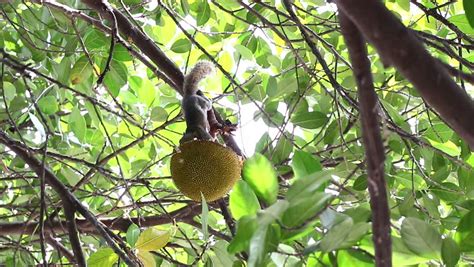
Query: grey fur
{"points": [[195, 106]]}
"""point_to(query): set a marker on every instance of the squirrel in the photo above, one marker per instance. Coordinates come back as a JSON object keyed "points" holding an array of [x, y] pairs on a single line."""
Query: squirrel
{"points": [[195, 105]]}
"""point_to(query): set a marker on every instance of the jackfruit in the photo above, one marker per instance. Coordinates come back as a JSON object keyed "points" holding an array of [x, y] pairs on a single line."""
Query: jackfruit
{"points": [[205, 166]]}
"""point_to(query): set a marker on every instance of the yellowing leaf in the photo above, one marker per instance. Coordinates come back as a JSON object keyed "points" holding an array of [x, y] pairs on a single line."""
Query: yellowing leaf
{"points": [[81, 70], [226, 61], [77, 124], [146, 258], [103, 257], [449, 147], [153, 239], [259, 173]]}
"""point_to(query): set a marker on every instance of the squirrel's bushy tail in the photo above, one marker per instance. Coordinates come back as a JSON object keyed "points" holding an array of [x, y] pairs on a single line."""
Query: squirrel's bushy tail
{"points": [[191, 80]]}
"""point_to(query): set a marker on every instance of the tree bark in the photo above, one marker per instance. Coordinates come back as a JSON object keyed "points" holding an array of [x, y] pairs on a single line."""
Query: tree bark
{"points": [[66, 196], [374, 150], [117, 224], [399, 47], [143, 42]]}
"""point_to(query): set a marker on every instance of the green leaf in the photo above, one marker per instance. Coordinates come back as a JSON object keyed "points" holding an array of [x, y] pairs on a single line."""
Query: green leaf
{"points": [[159, 114], [132, 2], [461, 21], [449, 148], [272, 87], [17, 104], [404, 4], [394, 114], [246, 226], [9, 91], [258, 172], [447, 191], [81, 71], [221, 257], [465, 233], [286, 85], [77, 124], [265, 238], [144, 89], [354, 258], [274, 212], [274, 60], [116, 77], [243, 201], [133, 232], [258, 246], [309, 120], [244, 52], [264, 143], [147, 259], [421, 238], [469, 11], [204, 13], [48, 105], [439, 132], [466, 179], [181, 46], [282, 151], [450, 252], [303, 164], [401, 255], [103, 257], [71, 46], [96, 39], [470, 160], [185, 6], [121, 53], [204, 217], [409, 180], [337, 235], [153, 239], [304, 208], [308, 185], [358, 231], [71, 176], [257, 92], [360, 183], [21, 258]]}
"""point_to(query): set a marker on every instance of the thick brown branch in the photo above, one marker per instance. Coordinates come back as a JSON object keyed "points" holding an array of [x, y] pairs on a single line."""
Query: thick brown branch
{"points": [[399, 47], [60, 248], [63, 192], [374, 150], [73, 233], [468, 77], [316, 53], [73, 13], [119, 224], [149, 48], [225, 213], [143, 42]]}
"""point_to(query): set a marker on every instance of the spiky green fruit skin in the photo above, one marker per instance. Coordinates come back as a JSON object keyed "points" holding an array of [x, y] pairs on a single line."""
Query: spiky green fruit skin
{"points": [[205, 166]]}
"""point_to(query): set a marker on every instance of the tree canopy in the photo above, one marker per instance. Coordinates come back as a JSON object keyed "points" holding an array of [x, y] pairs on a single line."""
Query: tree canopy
{"points": [[355, 126]]}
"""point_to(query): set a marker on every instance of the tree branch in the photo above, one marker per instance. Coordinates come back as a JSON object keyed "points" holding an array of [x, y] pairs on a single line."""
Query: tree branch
{"points": [[143, 42], [374, 150], [399, 47], [117, 224], [66, 197], [69, 212], [60, 248]]}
